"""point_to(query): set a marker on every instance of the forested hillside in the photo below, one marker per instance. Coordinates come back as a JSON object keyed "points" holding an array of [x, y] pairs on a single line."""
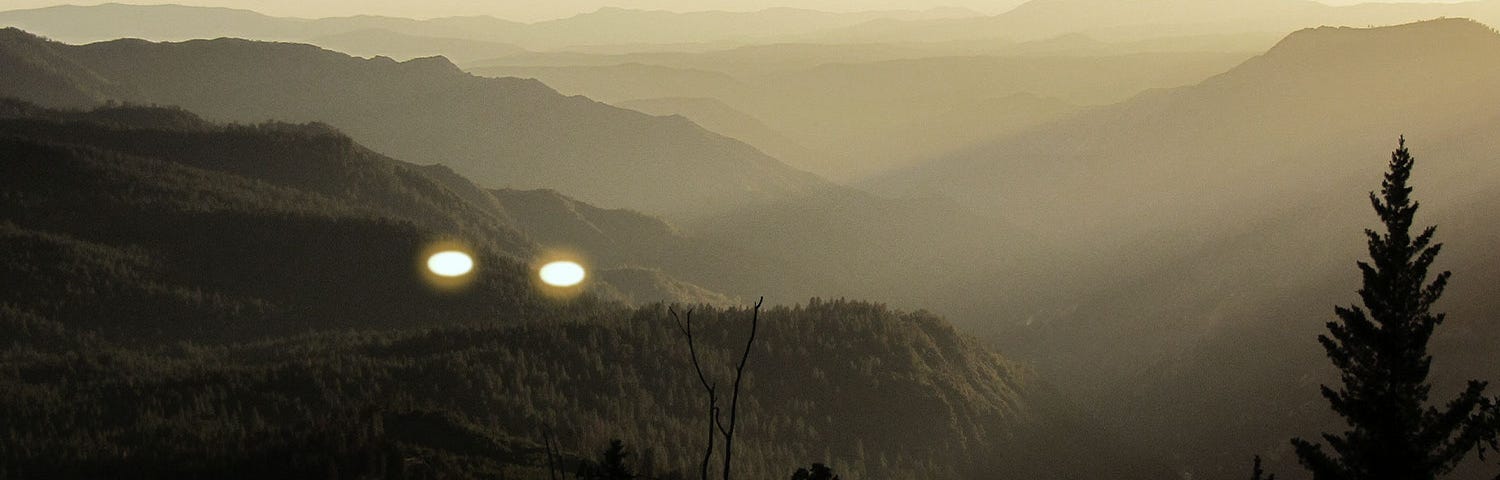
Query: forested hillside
{"points": [[876, 393], [187, 298]]}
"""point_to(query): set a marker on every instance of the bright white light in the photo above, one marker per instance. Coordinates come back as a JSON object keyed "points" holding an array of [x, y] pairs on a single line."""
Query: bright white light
{"points": [[563, 274], [451, 263]]}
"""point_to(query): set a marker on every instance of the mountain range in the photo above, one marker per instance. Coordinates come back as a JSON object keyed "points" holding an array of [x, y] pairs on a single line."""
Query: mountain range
{"points": [[861, 119], [1136, 20], [501, 132], [603, 27], [1154, 218], [810, 90], [278, 264], [699, 261], [1210, 226]]}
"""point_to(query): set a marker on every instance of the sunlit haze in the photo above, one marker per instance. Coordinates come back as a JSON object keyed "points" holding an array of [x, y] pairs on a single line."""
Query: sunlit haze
{"points": [[1031, 239], [528, 11]]}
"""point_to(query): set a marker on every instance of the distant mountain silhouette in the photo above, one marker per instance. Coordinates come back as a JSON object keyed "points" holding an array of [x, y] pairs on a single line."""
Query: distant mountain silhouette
{"points": [[109, 21], [640, 285], [721, 118], [628, 81], [1317, 92], [1085, 44], [836, 243], [862, 118], [1135, 20], [607, 26], [1040, 18], [1204, 222], [499, 132], [750, 61], [380, 42], [628, 26]]}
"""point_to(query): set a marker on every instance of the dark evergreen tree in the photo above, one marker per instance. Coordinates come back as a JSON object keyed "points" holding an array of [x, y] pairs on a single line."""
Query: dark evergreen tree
{"points": [[818, 472], [1260, 474], [1381, 353], [612, 464]]}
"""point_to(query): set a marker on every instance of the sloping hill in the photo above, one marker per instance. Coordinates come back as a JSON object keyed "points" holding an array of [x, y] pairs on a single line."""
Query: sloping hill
{"points": [[1318, 92], [719, 117], [864, 118], [318, 161], [628, 81], [376, 42], [499, 132], [1211, 226], [1138, 20], [178, 230], [182, 298], [1043, 18], [47, 76]]}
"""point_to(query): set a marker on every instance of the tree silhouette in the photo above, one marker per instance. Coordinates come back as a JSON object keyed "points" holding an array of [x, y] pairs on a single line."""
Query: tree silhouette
{"points": [[612, 462], [554, 455], [716, 426], [818, 472], [1257, 473], [1381, 353]]}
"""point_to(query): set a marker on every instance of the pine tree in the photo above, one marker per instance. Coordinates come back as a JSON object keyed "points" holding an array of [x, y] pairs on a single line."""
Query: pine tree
{"points": [[818, 472], [1257, 473], [612, 462], [1381, 353]]}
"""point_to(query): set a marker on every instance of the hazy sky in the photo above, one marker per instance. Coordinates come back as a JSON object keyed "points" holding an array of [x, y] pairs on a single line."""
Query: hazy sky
{"points": [[532, 10]]}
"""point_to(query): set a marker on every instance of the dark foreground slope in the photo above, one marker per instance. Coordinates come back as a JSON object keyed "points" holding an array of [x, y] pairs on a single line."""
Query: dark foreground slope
{"points": [[177, 298], [877, 393], [502, 132]]}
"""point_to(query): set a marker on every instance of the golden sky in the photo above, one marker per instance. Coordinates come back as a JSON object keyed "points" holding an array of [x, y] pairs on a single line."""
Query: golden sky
{"points": [[533, 10]]}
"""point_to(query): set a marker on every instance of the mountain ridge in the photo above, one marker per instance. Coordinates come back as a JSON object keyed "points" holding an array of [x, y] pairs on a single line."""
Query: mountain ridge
{"points": [[1208, 224], [270, 273], [603, 26], [1130, 21], [503, 132]]}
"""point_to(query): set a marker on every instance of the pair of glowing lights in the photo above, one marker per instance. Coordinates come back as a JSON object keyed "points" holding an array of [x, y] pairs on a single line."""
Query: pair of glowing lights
{"points": [[454, 263]]}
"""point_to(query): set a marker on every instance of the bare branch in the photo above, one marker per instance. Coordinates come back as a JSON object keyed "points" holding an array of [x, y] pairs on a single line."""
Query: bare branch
{"points": [[716, 424], [685, 325], [734, 402], [552, 459], [708, 453]]}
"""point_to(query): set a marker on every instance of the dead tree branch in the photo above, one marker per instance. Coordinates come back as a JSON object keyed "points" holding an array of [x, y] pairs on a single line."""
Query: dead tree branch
{"points": [[685, 325], [553, 458], [734, 402], [716, 426]]}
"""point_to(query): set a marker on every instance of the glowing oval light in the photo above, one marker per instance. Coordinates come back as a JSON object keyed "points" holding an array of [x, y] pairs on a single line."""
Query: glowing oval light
{"points": [[451, 263], [563, 274]]}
